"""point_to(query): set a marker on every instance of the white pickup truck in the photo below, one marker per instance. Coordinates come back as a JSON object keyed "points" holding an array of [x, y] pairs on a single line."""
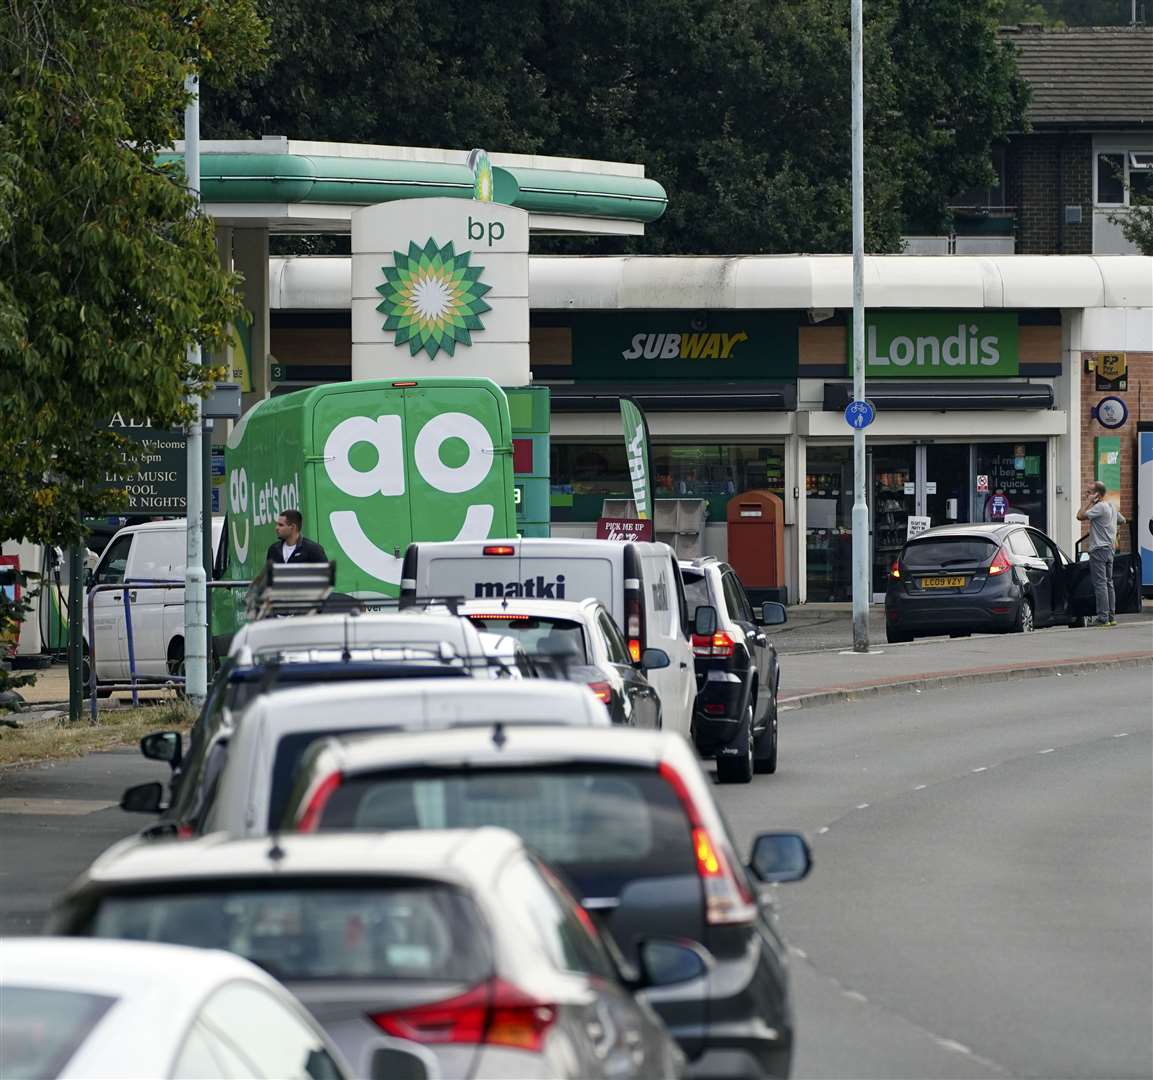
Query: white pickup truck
{"points": [[137, 555]]}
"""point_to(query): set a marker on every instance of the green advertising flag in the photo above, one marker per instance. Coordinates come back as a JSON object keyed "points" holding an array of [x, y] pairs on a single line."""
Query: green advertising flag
{"points": [[637, 452]]}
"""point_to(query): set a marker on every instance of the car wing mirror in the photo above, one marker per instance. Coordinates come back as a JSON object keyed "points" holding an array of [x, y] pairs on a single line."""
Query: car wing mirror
{"points": [[143, 799], [705, 620], [654, 660], [780, 856], [163, 746], [773, 614], [669, 962]]}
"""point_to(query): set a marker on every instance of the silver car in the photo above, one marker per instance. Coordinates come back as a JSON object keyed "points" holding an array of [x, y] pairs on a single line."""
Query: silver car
{"points": [[460, 944]]}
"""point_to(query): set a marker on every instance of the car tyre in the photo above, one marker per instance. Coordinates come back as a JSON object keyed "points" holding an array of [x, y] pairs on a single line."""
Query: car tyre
{"points": [[897, 637], [176, 665], [765, 751], [961, 633], [738, 768], [86, 679], [1078, 622], [1024, 623]]}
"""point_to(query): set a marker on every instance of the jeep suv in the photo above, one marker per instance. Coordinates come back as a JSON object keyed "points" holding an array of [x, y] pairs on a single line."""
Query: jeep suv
{"points": [[735, 715]]}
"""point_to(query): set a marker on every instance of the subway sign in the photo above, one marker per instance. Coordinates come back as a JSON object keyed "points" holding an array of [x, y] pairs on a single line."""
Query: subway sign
{"points": [[938, 345]]}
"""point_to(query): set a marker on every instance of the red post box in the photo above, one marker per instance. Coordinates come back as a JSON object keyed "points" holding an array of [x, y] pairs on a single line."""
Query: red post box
{"points": [[756, 528]]}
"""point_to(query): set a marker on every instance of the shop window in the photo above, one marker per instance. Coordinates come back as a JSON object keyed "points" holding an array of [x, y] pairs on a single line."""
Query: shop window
{"points": [[828, 535], [1010, 480], [585, 474]]}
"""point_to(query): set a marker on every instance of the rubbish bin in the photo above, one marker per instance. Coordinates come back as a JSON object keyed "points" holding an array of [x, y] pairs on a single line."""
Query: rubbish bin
{"points": [[756, 537]]}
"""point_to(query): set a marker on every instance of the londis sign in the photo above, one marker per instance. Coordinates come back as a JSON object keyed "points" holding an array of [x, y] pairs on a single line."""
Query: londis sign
{"points": [[927, 345]]}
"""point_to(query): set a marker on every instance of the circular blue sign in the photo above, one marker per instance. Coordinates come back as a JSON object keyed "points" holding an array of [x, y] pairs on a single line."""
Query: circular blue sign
{"points": [[860, 414], [1111, 412]]}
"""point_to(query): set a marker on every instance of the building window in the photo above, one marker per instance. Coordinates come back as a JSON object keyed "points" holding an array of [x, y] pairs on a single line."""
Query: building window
{"points": [[1123, 175], [585, 474], [1110, 179]]}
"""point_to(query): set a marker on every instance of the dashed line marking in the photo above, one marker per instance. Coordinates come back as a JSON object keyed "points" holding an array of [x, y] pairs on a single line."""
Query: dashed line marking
{"points": [[981, 768], [863, 806], [1120, 735], [920, 787], [855, 996], [951, 1044], [798, 952], [1049, 751], [822, 829]]}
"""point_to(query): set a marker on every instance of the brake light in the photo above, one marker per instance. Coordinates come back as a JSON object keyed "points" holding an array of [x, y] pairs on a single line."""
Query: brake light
{"points": [[1000, 563], [499, 549], [603, 691], [501, 616], [634, 625], [718, 644], [495, 1013], [403, 384], [895, 569], [310, 819], [728, 898]]}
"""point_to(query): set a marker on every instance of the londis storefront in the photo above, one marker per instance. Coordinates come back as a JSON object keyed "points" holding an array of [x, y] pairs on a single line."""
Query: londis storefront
{"points": [[975, 366]]}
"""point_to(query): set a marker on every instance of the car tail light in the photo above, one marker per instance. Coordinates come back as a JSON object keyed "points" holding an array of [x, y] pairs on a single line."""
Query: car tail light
{"points": [[728, 898], [603, 691], [634, 621], [718, 644], [1000, 563], [503, 616], [310, 819], [495, 1013], [499, 549], [895, 569]]}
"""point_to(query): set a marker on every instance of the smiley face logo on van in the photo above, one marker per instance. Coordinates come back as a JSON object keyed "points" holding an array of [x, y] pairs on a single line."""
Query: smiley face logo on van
{"points": [[386, 436]]}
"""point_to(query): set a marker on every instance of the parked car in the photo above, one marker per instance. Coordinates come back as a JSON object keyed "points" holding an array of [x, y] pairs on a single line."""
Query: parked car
{"points": [[139, 555], [991, 578], [244, 789], [128, 1009], [639, 583], [462, 942], [630, 819], [738, 675], [578, 641]]}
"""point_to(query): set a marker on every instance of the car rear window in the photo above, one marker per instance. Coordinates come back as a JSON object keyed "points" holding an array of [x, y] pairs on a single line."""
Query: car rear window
{"points": [[539, 635], [289, 750], [611, 824], [944, 551], [373, 930], [696, 590], [41, 1029]]}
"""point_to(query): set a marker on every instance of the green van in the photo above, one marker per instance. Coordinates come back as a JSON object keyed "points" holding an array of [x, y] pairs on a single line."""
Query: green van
{"points": [[372, 466]]}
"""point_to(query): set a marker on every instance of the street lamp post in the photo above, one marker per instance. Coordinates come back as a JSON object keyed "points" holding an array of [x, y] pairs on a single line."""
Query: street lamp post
{"points": [[861, 585]]}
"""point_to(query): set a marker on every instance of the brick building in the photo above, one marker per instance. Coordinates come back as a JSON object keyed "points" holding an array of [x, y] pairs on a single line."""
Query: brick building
{"points": [[1091, 143]]}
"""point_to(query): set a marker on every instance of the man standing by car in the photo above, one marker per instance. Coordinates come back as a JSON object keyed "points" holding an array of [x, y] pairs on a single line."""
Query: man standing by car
{"points": [[1102, 516], [290, 546]]}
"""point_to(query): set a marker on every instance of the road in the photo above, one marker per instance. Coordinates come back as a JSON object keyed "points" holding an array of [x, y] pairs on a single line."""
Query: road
{"points": [[982, 898], [982, 902]]}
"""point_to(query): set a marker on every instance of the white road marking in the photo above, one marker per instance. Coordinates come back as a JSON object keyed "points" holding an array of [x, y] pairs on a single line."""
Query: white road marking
{"points": [[822, 829], [1120, 735], [855, 996], [1049, 751], [920, 787], [863, 806], [950, 1044], [798, 952], [981, 768]]}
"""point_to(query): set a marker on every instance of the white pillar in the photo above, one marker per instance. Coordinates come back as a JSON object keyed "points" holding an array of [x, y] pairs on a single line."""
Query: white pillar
{"points": [[250, 258], [1065, 457]]}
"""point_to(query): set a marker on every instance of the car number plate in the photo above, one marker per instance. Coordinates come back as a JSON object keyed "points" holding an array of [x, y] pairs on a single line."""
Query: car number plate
{"points": [[943, 582]]}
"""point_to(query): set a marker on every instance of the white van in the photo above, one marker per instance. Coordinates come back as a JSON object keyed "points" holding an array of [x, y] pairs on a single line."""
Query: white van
{"points": [[136, 555], [640, 583]]}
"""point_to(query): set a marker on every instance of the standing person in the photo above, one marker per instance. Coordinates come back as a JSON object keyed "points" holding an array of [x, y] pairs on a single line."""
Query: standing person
{"points": [[1102, 516], [290, 545]]}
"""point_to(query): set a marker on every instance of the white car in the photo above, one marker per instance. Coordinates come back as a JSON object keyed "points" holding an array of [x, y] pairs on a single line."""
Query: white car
{"points": [[252, 775], [120, 1009]]}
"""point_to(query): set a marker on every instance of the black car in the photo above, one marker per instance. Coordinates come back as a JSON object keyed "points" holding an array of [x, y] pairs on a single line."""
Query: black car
{"points": [[992, 578], [578, 641], [735, 714]]}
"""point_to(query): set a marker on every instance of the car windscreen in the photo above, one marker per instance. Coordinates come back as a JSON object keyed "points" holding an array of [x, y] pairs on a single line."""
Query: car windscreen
{"points": [[605, 825], [696, 590], [41, 1029], [937, 553], [375, 929], [540, 635]]}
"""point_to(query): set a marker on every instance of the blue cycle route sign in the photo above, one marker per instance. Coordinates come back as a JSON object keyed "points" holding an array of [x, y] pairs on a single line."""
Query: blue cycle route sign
{"points": [[860, 414]]}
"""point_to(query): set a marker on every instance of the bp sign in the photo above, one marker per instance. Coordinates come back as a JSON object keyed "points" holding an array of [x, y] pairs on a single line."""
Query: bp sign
{"points": [[938, 345]]}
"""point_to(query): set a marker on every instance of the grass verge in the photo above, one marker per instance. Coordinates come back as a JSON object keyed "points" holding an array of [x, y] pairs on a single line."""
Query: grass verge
{"points": [[54, 739]]}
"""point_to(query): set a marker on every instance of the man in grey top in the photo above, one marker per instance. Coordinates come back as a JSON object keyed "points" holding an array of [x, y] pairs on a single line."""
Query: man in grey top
{"points": [[1102, 516]]}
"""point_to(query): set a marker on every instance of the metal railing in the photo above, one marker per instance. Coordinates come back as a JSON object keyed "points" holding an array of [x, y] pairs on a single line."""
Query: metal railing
{"points": [[129, 589]]}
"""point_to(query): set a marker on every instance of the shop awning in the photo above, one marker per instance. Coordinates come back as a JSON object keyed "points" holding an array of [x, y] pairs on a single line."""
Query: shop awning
{"points": [[676, 397], [942, 397]]}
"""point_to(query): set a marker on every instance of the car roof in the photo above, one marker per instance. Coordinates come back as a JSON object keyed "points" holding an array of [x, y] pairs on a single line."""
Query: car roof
{"points": [[576, 610], [522, 745], [988, 530], [453, 856], [164, 526], [430, 703], [335, 630]]}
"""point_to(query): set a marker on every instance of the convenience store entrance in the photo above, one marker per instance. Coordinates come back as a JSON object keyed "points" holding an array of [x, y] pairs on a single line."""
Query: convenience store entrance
{"points": [[945, 482]]}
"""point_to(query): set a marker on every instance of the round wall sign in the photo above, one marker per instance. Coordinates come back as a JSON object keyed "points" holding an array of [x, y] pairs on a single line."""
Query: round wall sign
{"points": [[1111, 412]]}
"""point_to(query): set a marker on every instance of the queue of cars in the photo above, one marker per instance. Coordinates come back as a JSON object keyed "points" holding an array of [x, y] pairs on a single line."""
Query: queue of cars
{"points": [[475, 838]]}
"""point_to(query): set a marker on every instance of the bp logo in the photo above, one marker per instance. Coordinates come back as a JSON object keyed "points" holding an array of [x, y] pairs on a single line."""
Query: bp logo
{"points": [[432, 298]]}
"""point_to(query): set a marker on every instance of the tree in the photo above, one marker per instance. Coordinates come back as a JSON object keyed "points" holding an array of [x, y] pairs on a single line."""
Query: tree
{"points": [[1137, 223], [740, 108], [106, 275]]}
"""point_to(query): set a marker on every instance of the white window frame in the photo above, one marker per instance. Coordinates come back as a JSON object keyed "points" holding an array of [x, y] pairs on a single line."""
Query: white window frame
{"points": [[1136, 153]]}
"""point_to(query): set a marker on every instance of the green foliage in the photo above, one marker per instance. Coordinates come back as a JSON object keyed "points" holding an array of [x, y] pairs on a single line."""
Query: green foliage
{"points": [[106, 275], [1137, 223], [739, 108]]}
